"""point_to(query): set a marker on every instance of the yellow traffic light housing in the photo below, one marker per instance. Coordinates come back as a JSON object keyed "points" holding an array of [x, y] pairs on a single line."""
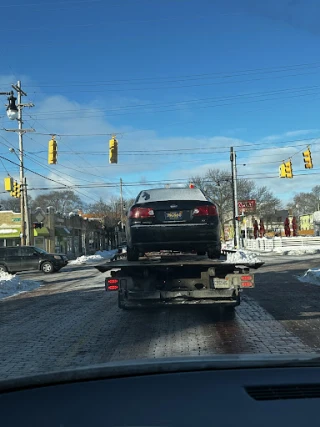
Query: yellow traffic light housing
{"points": [[307, 159], [16, 190], [52, 152], [113, 150], [282, 171], [8, 183], [288, 169]]}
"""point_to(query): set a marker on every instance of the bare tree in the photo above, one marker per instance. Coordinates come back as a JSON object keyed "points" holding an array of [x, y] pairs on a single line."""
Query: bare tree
{"points": [[217, 186], [63, 201]]}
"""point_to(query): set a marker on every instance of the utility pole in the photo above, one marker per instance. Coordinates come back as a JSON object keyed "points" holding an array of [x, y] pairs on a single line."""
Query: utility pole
{"points": [[234, 197], [25, 221], [121, 204]]}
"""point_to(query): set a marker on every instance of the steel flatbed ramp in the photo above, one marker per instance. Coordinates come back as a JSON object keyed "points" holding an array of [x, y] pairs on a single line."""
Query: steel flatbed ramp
{"points": [[174, 261]]}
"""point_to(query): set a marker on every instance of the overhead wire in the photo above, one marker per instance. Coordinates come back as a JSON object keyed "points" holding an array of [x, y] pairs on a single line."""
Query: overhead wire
{"points": [[195, 107], [174, 79], [170, 104]]}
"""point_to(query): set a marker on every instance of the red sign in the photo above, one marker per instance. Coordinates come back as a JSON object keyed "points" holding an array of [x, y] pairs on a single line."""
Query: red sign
{"points": [[246, 205]]}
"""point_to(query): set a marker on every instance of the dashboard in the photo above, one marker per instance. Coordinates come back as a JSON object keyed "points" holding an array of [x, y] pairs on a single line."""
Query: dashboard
{"points": [[270, 396]]}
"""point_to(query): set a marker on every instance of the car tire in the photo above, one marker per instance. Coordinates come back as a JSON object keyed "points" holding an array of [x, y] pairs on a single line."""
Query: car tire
{"points": [[132, 254], [214, 253], [3, 268], [47, 267], [201, 253]]}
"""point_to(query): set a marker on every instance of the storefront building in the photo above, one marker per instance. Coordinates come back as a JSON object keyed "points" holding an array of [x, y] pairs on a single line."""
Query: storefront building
{"points": [[71, 234]]}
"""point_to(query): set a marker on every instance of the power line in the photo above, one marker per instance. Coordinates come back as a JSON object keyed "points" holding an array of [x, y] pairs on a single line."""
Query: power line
{"points": [[186, 102], [179, 109], [221, 74]]}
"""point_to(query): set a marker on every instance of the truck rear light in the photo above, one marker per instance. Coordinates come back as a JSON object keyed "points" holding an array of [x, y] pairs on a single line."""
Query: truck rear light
{"points": [[141, 213], [246, 284], [206, 210], [247, 281], [112, 284], [246, 278]]}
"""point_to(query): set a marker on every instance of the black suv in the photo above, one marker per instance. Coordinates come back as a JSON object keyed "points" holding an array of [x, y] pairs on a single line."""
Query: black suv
{"points": [[20, 258]]}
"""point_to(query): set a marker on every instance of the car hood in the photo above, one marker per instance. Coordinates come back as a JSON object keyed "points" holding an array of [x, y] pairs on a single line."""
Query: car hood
{"points": [[161, 366]]}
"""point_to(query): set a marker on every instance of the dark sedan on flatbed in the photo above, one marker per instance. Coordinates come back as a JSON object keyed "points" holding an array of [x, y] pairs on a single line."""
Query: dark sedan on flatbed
{"points": [[179, 219]]}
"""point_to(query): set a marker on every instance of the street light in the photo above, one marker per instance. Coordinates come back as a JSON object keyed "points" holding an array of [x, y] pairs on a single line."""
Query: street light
{"points": [[12, 109]]}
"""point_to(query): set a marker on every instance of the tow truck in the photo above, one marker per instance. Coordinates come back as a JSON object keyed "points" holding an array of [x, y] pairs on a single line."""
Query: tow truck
{"points": [[176, 278]]}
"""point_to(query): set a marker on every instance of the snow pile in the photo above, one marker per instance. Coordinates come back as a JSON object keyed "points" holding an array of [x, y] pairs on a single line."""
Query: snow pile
{"points": [[98, 256], [311, 276], [228, 244], [12, 285], [242, 256], [297, 250]]}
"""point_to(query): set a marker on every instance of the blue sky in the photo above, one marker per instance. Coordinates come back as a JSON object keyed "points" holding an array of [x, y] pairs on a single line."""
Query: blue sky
{"points": [[167, 74]]}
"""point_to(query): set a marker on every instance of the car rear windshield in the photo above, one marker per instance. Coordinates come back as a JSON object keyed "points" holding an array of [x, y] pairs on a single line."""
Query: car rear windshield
{"points": [[163, 194]]}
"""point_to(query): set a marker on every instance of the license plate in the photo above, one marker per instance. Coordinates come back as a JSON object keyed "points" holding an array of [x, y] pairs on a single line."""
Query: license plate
{"points": [[221, 283], [173, 215]]}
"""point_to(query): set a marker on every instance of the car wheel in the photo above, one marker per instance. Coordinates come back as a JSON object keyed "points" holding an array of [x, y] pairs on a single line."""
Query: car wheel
{"points": [[132, 254], [47, 267], [214, 253], [3, 269], [201, 253]]}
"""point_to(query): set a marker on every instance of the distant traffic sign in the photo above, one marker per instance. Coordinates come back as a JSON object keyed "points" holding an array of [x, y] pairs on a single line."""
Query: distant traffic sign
{"points": [[247, 205]]}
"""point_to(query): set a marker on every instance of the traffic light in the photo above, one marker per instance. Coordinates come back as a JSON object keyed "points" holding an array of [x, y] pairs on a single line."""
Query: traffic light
{"points": [[307, 159], [282, 171], [52, 152], [37, 225], [16, 190], [288, 169], [113, 150], [8, 183]]}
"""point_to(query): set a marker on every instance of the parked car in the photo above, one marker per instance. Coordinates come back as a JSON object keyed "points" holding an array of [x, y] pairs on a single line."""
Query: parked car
{"points": [[180, 219], [20, 258]]}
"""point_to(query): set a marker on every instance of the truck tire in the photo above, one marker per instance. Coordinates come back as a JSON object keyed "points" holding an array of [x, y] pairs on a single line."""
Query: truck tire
{"points": [[132, 254], [122, 304], [214, 253]]}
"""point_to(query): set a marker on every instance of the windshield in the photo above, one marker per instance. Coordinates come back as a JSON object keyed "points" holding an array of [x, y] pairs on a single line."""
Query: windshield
{"points": [[41, 251], [166, 154]]}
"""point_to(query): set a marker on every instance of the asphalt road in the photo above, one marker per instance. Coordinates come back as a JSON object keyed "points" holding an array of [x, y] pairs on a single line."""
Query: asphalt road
{"points": [[71, 321]]}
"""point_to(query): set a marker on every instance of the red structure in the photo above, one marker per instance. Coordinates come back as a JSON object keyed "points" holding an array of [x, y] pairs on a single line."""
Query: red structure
{"points": [[262, 229], [287, 227], [294, 227], [255, 229]]}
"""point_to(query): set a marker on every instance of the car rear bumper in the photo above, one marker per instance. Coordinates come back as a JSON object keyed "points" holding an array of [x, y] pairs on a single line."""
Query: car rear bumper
{"points": [[174, 236]]}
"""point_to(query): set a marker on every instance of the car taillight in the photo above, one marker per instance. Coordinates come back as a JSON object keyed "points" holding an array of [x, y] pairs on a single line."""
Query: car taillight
{"points": [[141, 213], [206, 210], [112, 284]]}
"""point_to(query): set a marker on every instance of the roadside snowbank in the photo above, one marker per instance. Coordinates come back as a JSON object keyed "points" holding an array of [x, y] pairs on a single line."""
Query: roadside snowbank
{"points": [[98, 256], [297, 250], [242, 256], [311, 276], [13, 285]]}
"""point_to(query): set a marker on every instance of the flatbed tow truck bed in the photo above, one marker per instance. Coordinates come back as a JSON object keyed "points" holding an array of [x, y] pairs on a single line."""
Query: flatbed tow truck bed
{"points": [[171, 279]]}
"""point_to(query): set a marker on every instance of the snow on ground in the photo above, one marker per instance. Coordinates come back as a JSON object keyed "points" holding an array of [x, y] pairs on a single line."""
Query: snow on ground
{"points": [[242, 256], [11, 285], [311, 276], [228, 244], [297, 250], [98, 256]]}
